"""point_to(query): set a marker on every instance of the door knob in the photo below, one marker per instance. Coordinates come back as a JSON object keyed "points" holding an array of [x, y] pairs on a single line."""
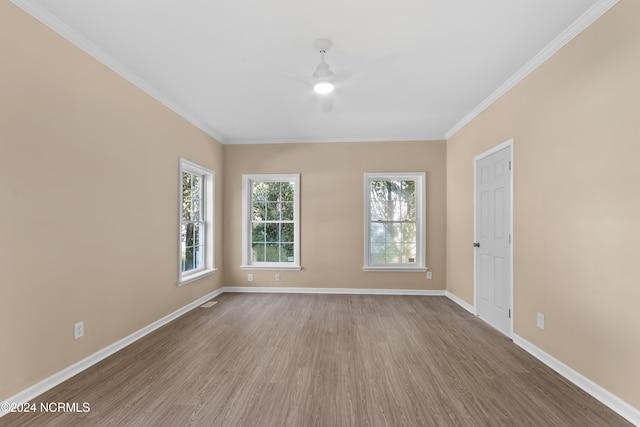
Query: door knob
{"points": [[476, 244]]}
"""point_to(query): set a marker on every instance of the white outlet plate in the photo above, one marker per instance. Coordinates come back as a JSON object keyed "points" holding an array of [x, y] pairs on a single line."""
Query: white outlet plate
{"points": [[277, 277], [250, 277], [429, 275], [78, 330], [540, 321]]}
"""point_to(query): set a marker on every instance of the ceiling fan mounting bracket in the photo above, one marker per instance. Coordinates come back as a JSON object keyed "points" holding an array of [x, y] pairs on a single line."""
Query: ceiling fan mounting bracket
{"points": [[323, 45]]}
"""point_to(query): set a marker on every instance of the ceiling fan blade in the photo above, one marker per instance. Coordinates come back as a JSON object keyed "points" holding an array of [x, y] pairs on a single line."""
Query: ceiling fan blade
{"points": [[300, 78], [365, 66], [326, 102]]}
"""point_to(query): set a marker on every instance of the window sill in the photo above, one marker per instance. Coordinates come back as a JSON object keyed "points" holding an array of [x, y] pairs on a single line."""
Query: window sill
{"points": [[195, 276], [393, 269], [269, 267]]}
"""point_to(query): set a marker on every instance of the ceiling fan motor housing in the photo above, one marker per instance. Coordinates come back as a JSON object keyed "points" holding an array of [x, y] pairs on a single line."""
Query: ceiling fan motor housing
{"points": [[322, 70]]}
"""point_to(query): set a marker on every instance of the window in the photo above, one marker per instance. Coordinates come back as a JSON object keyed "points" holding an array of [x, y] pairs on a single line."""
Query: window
{"points": [[271, 229], [196, 222], [394, 222]]}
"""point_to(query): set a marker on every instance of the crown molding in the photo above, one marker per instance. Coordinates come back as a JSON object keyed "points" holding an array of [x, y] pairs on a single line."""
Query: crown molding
{"points": [[45, 17], [302, 140], [579, 25]]}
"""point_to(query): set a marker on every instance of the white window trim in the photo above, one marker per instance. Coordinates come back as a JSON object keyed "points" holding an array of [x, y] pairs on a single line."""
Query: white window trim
{"points": [[208, 191], [420, 179], [247, 180]]}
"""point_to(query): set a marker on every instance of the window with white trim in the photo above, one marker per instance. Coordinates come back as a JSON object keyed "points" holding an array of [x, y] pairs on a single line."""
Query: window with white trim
{"points": [[394, 221], [196, 235], [271, 225]]}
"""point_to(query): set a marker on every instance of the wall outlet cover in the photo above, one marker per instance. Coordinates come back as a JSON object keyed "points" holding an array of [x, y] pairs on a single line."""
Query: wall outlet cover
{"points": [[78, 330], [540, 321]]}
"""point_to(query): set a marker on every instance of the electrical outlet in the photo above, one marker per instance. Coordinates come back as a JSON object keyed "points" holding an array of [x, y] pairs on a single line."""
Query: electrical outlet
{"points": [[250, 277], [277, 277], [540, 321], [78, 330], [429, 275]]}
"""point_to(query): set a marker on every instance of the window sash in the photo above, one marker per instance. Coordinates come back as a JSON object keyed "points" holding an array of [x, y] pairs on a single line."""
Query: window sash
{"points": [[394, 222], [198, 242], [196, 233], [194, 261], [271, 221]]}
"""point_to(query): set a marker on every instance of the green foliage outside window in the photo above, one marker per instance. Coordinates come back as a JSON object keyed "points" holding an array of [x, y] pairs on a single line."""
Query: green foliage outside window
{"points": [[272, 221]]}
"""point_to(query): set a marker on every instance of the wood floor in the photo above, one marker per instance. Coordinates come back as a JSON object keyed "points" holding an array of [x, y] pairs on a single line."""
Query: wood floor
{"points": [[323, 360]]}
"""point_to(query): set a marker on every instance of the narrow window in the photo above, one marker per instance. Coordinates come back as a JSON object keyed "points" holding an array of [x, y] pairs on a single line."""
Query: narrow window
{"points": [[196, 222], [394, 222], [271, 222]]}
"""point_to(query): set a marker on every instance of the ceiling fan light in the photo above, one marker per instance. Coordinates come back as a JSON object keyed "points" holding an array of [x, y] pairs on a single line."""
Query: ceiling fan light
{"points": [[323, 87]]}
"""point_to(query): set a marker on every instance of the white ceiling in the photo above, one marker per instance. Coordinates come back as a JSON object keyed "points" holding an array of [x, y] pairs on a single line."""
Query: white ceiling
{"points": [[223, 64]]}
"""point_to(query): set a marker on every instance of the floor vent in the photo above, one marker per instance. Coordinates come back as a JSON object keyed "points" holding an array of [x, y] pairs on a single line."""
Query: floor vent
{"points": [[209, 304]]}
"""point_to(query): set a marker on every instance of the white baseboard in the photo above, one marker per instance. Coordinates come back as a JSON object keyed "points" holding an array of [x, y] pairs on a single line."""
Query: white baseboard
{"points": [[616, 404], [354, 291], [59, 377], [462, 303]]}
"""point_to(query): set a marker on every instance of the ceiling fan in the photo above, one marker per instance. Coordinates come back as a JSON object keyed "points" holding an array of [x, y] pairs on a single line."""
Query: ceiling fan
{"points": [[323, 83], [323, 80]]}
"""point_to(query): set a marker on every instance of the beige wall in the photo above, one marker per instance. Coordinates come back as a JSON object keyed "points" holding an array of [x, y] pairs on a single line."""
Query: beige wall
{"points": [[88, 190], [332, 210], [575, 122], [88, 183]]}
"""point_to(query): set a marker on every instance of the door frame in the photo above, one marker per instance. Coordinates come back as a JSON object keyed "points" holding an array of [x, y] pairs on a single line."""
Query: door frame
{"points": [[476, 159]]}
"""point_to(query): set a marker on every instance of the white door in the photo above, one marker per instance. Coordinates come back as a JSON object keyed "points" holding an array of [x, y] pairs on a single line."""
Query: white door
{"points": [[493, 278]]}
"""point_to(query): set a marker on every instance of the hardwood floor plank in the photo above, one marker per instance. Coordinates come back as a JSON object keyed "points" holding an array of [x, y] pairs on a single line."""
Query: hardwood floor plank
{"points": [[323, 360]]}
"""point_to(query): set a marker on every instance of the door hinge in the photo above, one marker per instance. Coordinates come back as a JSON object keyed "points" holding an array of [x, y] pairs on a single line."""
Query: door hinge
{"points": [[509, 238], [509, 313], [509, 164]]}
